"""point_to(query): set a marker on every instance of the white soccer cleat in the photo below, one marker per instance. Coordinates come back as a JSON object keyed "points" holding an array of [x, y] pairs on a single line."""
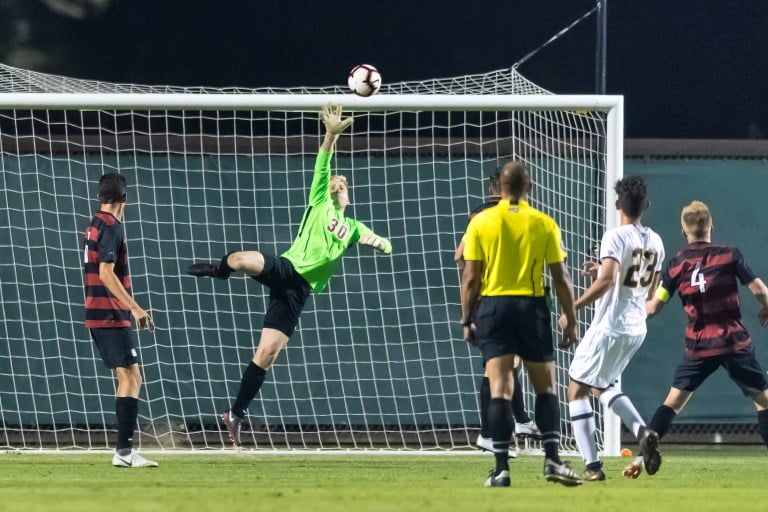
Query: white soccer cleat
{"points": [[486, 444], [528, 429], [133, 460]]}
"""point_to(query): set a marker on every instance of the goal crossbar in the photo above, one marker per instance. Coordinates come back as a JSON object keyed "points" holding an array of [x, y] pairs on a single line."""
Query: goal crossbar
{"points": [[309, 102]]}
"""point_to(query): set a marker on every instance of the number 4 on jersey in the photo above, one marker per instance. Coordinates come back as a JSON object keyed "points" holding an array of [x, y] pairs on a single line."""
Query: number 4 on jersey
{"points": [[697, 278]]}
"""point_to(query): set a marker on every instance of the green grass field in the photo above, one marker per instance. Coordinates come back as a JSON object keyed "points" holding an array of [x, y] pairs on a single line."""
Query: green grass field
{"points": [[692, 478]]}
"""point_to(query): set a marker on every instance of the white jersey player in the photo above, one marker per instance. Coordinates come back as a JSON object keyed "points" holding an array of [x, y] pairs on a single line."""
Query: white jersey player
{"points": [[631, 258], [639, 252]]}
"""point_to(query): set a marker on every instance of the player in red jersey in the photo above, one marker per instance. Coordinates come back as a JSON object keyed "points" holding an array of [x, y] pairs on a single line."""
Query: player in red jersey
{"points": [[705, 276], [109, 305]]}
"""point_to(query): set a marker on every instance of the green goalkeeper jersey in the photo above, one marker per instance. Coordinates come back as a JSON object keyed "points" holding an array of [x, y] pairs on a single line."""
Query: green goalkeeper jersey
{"points": [[324, 232]]}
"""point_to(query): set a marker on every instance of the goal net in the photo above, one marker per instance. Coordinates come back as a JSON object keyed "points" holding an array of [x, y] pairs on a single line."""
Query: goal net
{"points": [[377, 361]]}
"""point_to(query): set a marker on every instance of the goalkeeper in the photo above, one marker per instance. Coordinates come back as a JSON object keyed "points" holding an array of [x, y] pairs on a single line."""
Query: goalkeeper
{"points": [[324, 234]]}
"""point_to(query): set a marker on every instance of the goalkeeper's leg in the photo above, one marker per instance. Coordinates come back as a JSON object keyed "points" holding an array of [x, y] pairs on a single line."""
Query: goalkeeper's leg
{"points": [[271, 343], [250, 263]]}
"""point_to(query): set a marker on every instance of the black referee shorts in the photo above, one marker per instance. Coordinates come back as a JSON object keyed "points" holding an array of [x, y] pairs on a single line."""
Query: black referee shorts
{"points": [[742, 366], [515, 325], [288, 293], [117, 346]]}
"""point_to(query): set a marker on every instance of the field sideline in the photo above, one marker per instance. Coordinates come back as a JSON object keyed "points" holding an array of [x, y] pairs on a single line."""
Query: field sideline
{"points": [[692, 478]]}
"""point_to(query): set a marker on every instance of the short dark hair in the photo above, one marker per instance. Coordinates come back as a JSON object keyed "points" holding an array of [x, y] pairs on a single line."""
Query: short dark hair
{"points": [[112, 188], [494, 182], [633, 195]]}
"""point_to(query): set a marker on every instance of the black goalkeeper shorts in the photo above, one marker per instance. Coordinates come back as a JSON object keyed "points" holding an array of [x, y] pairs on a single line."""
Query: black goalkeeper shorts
{"points": [[288, 293]]}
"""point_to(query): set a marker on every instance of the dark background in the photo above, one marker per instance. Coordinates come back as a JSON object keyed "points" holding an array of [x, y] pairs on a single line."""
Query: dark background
{"points": [[687, 69]]}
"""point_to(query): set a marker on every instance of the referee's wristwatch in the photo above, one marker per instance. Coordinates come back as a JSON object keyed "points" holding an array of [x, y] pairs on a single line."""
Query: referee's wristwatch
{"points": [[467, 323]]}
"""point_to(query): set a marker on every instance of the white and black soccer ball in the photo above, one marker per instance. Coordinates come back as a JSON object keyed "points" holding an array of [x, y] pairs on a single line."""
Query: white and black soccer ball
{"points": [[364, 80]]}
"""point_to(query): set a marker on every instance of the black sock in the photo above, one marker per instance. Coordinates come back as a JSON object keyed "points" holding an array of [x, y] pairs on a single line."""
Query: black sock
{"points": [[548, 421], [595, 466], [224, 269], [662, 420], [127, 411], [762, 425], [501, 423], [485, 398], [518, 403], [253, 378]]}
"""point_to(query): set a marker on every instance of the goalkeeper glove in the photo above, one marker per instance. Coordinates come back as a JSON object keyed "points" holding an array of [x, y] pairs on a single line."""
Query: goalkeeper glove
{"points": [[331, 117], [380, 244]]}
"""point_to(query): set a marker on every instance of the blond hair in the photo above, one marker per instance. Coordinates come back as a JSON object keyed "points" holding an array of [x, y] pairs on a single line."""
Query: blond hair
{"points": [[696, 219], [337, 181]]}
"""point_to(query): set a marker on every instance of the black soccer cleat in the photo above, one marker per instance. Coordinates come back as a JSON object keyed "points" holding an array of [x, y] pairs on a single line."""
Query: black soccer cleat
{"points": [[233, 425], [593, 474], [210, 269], [498, 479], [649, 450]]}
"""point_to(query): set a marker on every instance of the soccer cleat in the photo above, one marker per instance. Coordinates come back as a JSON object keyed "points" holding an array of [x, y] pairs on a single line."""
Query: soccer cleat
{"points": [[560, 473], [122, 461], [132, 460], [633, 470], [210, 269], [498, 479], [593, 475], [649, 451], [527, 429], [234, 425], [140, 462], [486, 444]]}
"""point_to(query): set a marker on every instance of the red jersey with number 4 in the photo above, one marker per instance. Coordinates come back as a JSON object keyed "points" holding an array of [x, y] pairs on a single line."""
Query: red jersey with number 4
{"points": [[705, 278], [105, 243]]}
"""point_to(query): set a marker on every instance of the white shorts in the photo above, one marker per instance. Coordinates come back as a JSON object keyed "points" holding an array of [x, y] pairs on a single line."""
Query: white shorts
{"points": [[602, 355]]}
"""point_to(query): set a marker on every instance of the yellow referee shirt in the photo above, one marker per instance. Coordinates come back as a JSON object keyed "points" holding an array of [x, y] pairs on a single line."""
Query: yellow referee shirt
{"points": [[513, 241]]}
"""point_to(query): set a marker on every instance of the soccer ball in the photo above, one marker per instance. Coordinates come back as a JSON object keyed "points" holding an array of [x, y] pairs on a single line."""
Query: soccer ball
{"points": [[364, 80]]}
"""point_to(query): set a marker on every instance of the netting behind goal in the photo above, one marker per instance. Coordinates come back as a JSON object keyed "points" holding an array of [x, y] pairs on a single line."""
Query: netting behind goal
{"points": [[377, 360]]}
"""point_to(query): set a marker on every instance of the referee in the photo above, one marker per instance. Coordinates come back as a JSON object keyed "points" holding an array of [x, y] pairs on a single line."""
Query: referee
{"points": [[505, 249]]}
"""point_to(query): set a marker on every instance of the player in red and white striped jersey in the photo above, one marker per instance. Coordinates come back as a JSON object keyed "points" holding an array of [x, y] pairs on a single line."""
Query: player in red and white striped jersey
{"points": [[109, 306], [705, 277]]}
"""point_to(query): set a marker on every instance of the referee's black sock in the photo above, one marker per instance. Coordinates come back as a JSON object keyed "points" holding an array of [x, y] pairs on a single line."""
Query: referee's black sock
{"points": [[127, 411], [502, 424], [253, 378], [485, 398], [762, 425], [548, 421], [662, 420]]}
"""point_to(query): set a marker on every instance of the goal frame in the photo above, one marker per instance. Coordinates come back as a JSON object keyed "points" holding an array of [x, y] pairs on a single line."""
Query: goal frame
{"points": [[612, 105]]}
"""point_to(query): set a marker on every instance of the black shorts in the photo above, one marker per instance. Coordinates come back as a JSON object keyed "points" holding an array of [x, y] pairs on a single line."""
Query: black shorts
{"points": [[515, 325], [742, 367], [116, 345], [288, 293]]}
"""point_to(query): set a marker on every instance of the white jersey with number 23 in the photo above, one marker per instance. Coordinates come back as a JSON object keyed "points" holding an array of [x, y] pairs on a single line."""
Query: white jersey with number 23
{"points": [[640, 254]]}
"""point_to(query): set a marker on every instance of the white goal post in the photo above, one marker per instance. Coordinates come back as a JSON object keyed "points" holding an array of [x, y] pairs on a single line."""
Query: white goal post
{"points": [[377, 362]]}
